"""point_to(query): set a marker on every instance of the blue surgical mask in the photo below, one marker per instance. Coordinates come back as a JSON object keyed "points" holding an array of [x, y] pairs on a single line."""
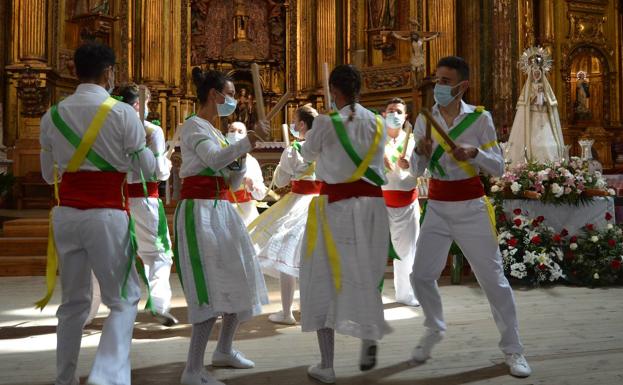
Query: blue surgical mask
{"points": [[394, 120], [333, 106], [443, 94], [228, 107], [294, 131]]}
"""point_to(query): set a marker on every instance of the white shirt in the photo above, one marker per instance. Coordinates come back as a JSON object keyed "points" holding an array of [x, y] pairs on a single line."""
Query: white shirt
{"points": [[481, 134], [158, 147], [397, 178], [292, 166], [201, 148], [333, 165], [121, 135]]}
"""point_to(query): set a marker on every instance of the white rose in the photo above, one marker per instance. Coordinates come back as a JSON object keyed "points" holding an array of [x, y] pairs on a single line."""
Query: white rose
{"points": [[595, 276], [594, 239], [612, 192], [495, 188], [567, 190], [557, 190], [515, 187], [573, 246], [609, 226]]}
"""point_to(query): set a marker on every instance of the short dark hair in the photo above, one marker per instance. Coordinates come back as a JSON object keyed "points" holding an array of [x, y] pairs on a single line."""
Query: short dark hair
{"points": [[206, 80], [129, 92], [92, 59], [307, 114], [395, 101], [457, 63]]}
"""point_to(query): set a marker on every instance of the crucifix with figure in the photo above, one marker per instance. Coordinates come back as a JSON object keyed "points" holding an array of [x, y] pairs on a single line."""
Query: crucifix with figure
{"points": [[418, 60]]}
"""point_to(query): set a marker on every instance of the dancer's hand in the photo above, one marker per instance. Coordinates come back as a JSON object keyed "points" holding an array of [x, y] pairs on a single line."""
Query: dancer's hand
{"points": [[248, 183], [424, 147], [388, 164], [403, 163], [464, 153]]}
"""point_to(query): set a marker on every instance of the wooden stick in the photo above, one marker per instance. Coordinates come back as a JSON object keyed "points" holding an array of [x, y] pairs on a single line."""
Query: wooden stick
{"points": [[176, 136], [406, 143], [426, 112], [280, 104], [286, 136], [141, 103], [325, 86], [257, 87]]}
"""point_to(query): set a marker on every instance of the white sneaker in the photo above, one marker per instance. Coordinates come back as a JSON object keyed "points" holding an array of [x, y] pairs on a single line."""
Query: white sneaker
{"points": [[367, 358], [422, 351], [166, 319], [235, 359], [201, 377], [518, 365], [326, 376], [409, 302], [280, 318]]}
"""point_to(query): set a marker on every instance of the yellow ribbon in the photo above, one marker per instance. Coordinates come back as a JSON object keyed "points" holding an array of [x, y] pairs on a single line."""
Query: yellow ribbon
{"points": [[52, 256], [468, 168], [90, 134], [489, 145], [491, 212], [317, 215], [363, 166]]}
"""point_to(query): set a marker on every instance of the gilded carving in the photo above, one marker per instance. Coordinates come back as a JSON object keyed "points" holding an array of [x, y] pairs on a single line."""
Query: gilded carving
{"points": [[33, 92], [387, 78], [587, 28]]}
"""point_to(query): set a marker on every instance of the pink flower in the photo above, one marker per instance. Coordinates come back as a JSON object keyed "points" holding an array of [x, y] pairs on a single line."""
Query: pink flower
{"points": [[517, 211], [517, 222], [608, 216], [536, 240], [512, 242]]}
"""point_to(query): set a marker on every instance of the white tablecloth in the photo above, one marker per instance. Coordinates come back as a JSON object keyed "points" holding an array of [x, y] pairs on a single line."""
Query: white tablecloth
{"points": [[569, 217]]}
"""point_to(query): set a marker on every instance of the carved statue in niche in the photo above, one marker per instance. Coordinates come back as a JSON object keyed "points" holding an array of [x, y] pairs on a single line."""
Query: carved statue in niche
{"points": [[582, 94], [244, 108]]}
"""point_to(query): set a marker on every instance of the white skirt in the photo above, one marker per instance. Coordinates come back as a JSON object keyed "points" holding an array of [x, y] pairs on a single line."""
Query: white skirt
{"points": [[226, 270], [360, 230], [247, 210], [278, 235]]}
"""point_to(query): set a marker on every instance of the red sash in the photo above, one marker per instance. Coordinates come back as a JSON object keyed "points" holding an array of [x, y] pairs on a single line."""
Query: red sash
{"points": [[399, 198], [241, 196], [455, 190], [204, 187], [341, 191], [92, 190], [306, 187], [135, 190]]}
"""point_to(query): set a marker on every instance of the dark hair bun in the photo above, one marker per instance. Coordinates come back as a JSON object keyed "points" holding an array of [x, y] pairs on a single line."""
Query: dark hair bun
{"points": [[206, 80], [197, 76]]}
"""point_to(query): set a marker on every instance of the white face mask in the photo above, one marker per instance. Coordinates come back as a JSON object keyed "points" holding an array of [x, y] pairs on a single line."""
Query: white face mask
{"points": [[395, 120], [233, 137]]}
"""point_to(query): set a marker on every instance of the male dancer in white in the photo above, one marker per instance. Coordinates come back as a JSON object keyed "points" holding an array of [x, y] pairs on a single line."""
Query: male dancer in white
{"points": [[401, 199], [253, 187], [152, 231], [347, 233], [458, 210], [92, 141]]}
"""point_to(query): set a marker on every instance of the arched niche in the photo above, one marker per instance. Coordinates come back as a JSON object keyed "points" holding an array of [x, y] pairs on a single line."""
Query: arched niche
{"points": [[586, 73]]}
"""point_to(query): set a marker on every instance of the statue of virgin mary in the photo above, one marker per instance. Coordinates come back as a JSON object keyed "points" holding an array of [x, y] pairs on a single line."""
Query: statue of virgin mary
{"points": [[536, 134]]}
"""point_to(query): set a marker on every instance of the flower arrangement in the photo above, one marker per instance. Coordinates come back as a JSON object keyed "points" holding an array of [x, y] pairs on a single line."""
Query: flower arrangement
{"points": [[535, 253], [529, 249], [594, 257], [557, 183]]}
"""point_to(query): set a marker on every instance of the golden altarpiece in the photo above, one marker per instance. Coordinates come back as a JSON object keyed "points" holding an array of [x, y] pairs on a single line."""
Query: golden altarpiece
{"points": [[157, 42]]}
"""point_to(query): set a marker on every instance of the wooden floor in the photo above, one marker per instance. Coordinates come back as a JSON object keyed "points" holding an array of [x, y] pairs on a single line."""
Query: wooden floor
{"points": [[572, 336]]}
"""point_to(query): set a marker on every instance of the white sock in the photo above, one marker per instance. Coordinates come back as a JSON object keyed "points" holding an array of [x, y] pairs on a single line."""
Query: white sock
{"points": [[326, 342], [198, 342], [288, 284], [228, 330]]}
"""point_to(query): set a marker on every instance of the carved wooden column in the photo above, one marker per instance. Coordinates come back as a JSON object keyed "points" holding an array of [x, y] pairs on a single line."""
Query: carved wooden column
{"points": [[325, 36], [441, 18], [469, 44], [306, 53], [502, 103]]}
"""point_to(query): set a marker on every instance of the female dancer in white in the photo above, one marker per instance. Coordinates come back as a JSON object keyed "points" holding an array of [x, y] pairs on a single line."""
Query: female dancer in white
{"points": [[278, 233], [347, 232], [215, 257]]}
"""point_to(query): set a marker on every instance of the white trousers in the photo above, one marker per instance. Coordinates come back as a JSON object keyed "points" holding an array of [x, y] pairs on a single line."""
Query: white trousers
{"points": [[157, 261], [94, 240], [404, 226], [467, 223]]}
